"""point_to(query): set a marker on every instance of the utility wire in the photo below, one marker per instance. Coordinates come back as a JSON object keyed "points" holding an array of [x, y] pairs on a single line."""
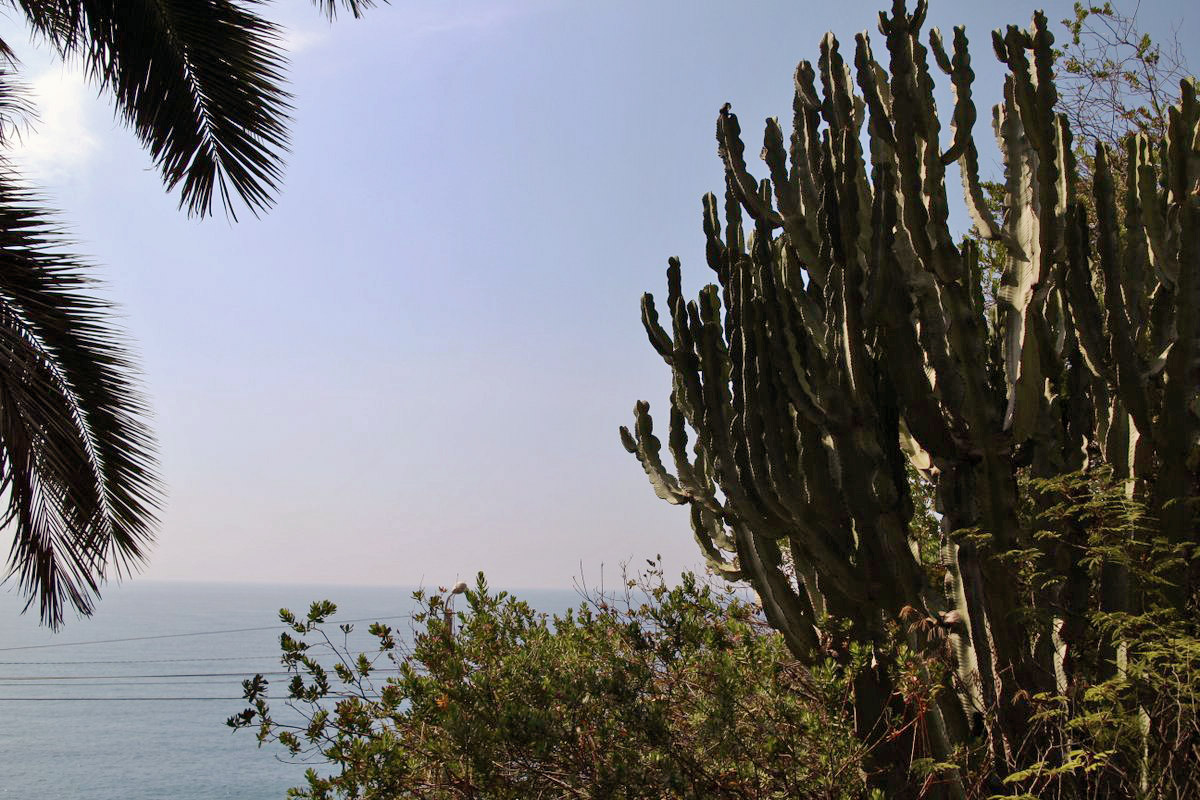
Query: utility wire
{"points": [[124, 699], [134, 661], [152, 699], [138, 685], [164, 675], [274, 627], [131, 677]]}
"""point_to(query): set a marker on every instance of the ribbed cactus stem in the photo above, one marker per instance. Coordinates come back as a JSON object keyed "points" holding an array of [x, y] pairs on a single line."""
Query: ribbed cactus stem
{"points": [[848, 332]]}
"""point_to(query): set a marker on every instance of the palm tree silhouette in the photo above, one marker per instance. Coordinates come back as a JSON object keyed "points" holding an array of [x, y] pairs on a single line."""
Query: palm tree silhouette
{"points": [[200, 82]]}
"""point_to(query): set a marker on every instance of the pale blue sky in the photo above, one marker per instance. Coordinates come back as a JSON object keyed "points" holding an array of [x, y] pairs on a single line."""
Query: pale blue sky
{"points": [[414, 367]]}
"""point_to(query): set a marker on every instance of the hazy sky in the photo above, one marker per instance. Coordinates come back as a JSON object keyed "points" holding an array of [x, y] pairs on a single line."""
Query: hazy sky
{"points": [[414, 367]]}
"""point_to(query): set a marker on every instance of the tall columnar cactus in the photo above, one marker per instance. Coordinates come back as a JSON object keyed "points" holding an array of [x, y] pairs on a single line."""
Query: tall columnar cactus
{"points": [[848, 333]]}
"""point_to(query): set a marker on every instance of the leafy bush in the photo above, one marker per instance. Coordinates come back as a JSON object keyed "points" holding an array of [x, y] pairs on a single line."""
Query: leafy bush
{"points": [[662, 692], [685, 692]]}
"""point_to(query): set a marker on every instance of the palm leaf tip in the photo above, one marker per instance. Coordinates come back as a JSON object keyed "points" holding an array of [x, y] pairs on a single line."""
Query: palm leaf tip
{"points": [[77, 461], [355, 7], [199, 81]]}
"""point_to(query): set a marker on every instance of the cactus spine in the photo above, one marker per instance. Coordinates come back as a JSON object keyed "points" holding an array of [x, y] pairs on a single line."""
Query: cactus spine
{"points": [[848, 332]]}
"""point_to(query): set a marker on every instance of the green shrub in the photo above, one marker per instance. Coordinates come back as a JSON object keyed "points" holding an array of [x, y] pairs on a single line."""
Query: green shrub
{"points": [[662, 692]]}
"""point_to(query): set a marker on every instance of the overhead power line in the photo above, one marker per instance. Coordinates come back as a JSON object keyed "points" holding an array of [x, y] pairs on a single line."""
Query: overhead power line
{"points": [[275, 627], [151, 699], [122, 699], [89, 684], [90, 661], [18, 678]]}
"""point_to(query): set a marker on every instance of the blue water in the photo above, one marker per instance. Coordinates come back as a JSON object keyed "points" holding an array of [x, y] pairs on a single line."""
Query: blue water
{"points": [[68, 725]]}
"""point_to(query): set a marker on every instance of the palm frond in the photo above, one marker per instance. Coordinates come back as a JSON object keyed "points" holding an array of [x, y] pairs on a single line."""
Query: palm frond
{"points": [[7, 56], [77, 464], [356, 7], [16, 110], [199, 81]]}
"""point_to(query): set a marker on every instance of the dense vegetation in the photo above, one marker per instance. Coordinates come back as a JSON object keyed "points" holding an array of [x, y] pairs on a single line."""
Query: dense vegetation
{"points": [[661, 692], [960, 476], [849, 338], [686, 692]]}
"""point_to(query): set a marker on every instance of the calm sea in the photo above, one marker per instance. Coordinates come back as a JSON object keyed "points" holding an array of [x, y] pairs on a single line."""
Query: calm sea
{"points": [[84, 717]]}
